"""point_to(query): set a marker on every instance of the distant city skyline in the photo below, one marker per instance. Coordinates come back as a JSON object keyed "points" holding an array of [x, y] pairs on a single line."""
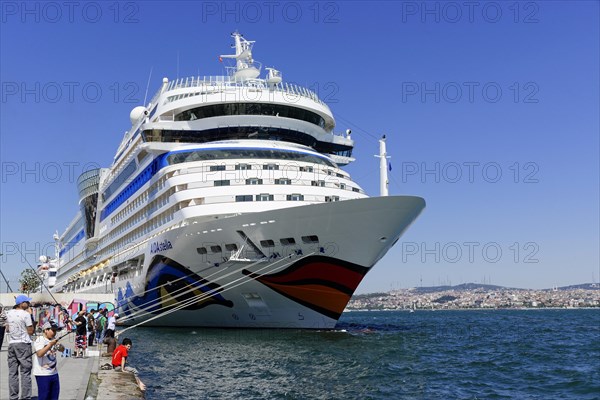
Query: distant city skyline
{"points": [[490, 111]]}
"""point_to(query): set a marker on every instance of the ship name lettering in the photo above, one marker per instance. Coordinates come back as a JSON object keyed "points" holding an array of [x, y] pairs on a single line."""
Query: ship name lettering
{"points": [[157, 247]]}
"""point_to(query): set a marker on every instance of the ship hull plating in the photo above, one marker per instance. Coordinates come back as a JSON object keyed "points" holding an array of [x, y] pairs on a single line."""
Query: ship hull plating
{"points": [[290, 268]]}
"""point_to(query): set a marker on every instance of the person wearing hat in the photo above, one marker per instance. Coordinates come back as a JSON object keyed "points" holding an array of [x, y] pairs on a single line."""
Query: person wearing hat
{"points": [[20, 328], [44, 363]]}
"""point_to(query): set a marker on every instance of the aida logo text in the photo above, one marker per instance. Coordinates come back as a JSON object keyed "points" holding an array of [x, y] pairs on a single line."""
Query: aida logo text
{"points": [[158, 247]]}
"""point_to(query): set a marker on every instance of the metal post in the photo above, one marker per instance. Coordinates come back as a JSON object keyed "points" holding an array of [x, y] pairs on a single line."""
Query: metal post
{"points": [[4, 277]]}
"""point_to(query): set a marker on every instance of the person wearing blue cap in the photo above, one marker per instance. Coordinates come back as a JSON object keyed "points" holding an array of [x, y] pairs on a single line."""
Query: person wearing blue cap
{"points": [[20, 329]]}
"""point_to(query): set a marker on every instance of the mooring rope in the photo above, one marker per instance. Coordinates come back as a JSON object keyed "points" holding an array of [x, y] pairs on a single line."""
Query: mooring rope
{"points": [[143, 307], [197, 298], [209, 293]]}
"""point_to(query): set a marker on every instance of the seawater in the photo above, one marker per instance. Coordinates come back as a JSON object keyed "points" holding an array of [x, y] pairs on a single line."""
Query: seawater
{"points": [[495, 354]]}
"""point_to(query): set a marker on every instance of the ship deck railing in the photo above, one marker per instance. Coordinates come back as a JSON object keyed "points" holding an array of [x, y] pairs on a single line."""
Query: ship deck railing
{"points": [[225, 82]]}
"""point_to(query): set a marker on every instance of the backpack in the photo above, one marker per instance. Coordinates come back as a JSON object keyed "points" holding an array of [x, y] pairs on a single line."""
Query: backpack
{"points": [[98, 324]]}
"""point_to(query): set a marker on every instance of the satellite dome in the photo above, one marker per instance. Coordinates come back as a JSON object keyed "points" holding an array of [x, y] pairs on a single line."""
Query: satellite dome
{"points": [[137, 113]]}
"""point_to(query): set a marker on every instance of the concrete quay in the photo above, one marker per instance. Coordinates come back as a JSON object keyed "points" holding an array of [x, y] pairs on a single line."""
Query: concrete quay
{"points": [[114, 385], [80, 379]]}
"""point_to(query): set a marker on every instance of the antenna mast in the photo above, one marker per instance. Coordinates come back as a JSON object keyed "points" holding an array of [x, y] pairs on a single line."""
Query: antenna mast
{"points": [[383, 166]]}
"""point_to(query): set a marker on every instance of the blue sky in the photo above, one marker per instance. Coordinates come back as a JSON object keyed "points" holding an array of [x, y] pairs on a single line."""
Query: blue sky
{"points": [[491, 113]]}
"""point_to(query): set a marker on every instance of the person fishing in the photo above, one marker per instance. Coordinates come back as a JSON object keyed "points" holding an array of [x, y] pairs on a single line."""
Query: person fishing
{"points": [[44, 363]]}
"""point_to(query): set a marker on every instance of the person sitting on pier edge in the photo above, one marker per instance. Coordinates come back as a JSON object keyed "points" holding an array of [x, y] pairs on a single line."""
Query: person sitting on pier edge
{"points": [[111, 345], [20, 328], [120, 358], [44, 363]]}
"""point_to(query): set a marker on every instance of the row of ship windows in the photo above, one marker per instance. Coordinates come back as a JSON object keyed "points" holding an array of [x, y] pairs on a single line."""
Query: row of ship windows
{"points": [[102, 279], [280, 156], [168, 215], [146, 228], [153, 205], [142, 198], [282, 181], [162, 181], [164, 198], [142, 214], [270, 197], [162, 218], [266, 109], [264, 243], [272, 167], [92, 282]]}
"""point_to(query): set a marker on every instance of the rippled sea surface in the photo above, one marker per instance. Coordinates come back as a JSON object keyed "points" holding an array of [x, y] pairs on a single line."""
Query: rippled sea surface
{"points": [[496, 354]]}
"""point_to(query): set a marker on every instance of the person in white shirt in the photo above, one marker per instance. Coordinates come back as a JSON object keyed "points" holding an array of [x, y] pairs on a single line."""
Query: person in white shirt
{"points": [[20, 328], [111, 326], [44, 363]]}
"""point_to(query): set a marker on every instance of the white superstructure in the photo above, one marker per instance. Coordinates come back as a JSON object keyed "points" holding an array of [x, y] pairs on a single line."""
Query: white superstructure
{"points": [[226, 206]]}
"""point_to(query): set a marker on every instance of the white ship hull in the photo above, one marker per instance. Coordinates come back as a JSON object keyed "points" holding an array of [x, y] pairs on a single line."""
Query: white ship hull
{"points": [[306, 285]]}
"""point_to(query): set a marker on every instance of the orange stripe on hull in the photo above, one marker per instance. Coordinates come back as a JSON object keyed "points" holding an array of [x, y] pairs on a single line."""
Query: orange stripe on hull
{"points": [[318, 295]]}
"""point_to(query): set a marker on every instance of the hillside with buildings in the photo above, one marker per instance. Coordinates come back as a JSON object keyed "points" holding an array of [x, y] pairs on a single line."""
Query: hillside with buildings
{"points": [[471, 296]]}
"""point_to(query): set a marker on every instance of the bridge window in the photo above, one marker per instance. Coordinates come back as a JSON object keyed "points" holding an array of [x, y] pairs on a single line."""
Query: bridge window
{"points": [[274, 110], [264, 197], [243, 198]]}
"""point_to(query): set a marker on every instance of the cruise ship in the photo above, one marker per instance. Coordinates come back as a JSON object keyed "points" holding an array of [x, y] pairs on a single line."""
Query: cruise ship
{"points": [[226, 206]]}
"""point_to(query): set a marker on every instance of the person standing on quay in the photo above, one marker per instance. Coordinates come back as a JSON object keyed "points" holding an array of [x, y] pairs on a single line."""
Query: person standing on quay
{"points": [[44, 363], [20, 329], [80, 336], [101, 325], [91, 327], [111, 325]]}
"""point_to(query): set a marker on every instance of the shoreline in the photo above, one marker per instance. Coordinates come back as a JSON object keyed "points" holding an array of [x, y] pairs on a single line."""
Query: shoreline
{"points": [[474, 309]]}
